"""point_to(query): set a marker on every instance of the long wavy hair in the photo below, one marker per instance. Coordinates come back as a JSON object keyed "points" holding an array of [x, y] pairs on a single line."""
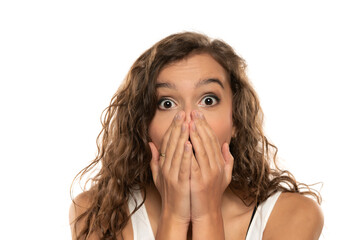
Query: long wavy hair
{"points": [[124, 154]]}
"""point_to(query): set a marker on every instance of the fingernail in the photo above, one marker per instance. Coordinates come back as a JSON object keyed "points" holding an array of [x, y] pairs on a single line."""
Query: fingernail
{"points": [[201, 115], [197, 114], [178, 116], [194, 114], [183, 127]]}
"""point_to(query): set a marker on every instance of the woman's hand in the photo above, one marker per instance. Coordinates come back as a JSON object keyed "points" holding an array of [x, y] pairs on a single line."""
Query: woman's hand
{"points": [[211, 171], [171, 171]]}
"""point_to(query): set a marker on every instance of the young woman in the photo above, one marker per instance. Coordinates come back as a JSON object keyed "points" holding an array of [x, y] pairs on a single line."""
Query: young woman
{"points": [[183, 155]]}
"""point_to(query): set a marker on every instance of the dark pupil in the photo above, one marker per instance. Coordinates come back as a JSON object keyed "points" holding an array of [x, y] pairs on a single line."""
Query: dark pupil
{"points": [[208, 101], [167, 104]]}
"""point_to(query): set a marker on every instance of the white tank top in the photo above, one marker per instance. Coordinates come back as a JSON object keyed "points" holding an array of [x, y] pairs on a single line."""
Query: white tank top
{"points": [[142, 229]]}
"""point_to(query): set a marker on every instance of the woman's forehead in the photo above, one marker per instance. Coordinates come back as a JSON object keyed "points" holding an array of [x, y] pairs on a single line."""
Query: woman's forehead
{"points": [[199, 69]]}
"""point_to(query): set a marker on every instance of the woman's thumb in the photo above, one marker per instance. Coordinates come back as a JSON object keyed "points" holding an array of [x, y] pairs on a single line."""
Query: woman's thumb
{"points": [[229, 162]]}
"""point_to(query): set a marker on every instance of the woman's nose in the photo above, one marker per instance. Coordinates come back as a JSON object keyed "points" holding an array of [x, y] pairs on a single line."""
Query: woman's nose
{"points": [[188, 113]]}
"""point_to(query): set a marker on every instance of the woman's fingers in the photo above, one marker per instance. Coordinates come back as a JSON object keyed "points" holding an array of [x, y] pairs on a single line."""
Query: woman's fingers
{"points": [[185, 165], [210, 140], [173, 140], [164, 144], [179, 151], [169, 139], [210, 152], [200, 152]]}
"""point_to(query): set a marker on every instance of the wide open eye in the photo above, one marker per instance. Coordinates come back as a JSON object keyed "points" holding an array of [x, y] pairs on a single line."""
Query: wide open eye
{"points": [[209, 100], [165, 103]]}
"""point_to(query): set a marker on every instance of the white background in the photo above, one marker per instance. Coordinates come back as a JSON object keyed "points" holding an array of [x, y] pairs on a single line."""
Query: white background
{"points": [[61, 62]]}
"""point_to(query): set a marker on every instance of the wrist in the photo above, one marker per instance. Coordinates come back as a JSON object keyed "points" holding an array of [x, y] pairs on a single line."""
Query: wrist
{"points": [[210, 226], [171, 227], [210, 216], [175, 218]]}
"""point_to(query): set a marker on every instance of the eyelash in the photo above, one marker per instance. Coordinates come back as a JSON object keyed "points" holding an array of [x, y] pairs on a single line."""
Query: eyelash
{"points": [[163, 99]]}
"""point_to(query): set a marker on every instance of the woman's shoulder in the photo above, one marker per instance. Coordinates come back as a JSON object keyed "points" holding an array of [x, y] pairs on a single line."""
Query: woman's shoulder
{"points": [[79, 205], [294, 216]]}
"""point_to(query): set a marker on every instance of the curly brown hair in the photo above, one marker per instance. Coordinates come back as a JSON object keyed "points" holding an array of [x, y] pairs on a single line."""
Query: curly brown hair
{"points": [[124, 153]]}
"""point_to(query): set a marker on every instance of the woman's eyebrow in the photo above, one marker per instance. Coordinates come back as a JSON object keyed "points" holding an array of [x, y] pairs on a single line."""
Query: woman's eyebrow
{"points": [[165, 85], [210, 80], [200, 83]]}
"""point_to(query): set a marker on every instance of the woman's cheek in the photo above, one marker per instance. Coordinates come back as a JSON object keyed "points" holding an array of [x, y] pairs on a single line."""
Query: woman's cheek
{"points": [[222, 129], [158, 127]]}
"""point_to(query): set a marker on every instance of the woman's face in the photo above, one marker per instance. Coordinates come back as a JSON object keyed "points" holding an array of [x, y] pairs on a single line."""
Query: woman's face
{"points": [[195, 83]]}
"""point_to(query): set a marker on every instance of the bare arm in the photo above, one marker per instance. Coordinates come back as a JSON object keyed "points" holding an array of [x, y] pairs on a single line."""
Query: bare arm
{"points": [[76, 209], [294, 217]]}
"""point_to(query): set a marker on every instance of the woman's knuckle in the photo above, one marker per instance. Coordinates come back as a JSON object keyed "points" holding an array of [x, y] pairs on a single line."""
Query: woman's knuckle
{"points": [[182, 171], [203, 154]]}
